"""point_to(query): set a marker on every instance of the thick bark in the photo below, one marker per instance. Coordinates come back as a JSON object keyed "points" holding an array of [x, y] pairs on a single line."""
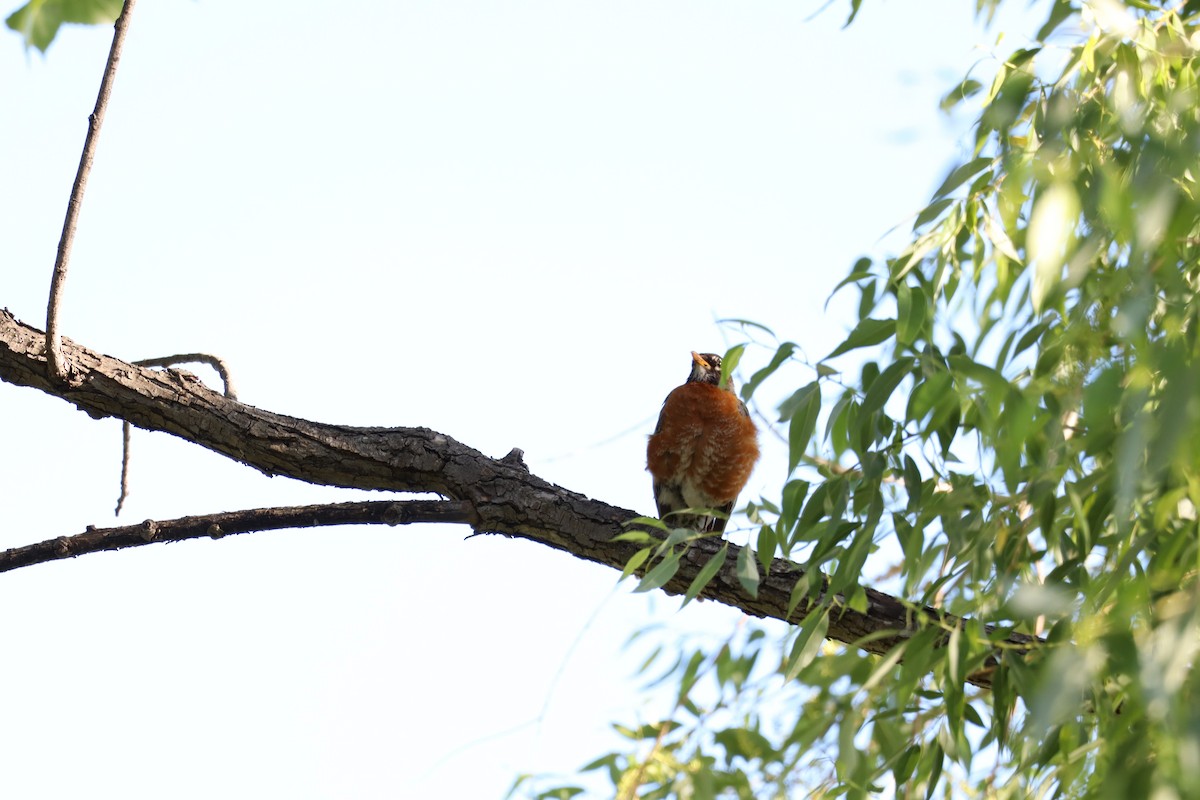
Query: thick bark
{"points": [[493, 495]]}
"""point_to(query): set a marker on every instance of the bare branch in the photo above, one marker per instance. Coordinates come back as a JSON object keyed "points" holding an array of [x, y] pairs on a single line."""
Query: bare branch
{"points": [[215, 526], [196, 358], [167, 361], [496, 495], [54, 360]]}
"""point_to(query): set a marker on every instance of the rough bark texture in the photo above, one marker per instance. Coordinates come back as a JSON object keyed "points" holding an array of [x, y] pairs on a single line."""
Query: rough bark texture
{"points": [[216, 526], [492, 495]]}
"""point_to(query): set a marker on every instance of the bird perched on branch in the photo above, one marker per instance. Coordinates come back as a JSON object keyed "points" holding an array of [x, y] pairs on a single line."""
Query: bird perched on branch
{"points": [[703, 448]]}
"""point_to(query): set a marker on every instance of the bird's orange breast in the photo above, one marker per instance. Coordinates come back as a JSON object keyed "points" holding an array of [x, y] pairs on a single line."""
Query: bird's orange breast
{"points": [[704, 438]]}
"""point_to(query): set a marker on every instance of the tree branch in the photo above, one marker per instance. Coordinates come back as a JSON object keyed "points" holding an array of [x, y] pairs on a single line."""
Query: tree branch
{"points": [[494, 495], [58, 280], [215, 526]]}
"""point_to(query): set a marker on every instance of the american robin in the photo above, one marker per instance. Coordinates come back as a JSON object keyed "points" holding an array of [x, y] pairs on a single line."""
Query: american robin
{"points": [[703, 448]]}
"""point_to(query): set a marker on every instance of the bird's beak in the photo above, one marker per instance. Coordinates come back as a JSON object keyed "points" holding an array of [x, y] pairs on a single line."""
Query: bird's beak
{"points": [[696, 358]]}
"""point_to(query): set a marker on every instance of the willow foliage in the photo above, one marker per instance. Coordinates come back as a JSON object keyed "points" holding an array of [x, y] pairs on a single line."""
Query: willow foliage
{"points": [[1021, 441]]}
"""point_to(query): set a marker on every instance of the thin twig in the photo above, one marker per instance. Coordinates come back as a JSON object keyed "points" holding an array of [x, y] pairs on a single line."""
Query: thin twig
{"points": [[167, 361], [215, 526], [196, 358], [54, 360], [126, 436]]}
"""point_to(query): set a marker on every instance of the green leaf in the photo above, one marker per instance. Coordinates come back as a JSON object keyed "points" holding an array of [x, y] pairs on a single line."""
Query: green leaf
{"points": [[883, 386], [825, 371], [1052, 225], [746, 323], [747, 571], [849, 568], [560, 793], [662, 572], [799, 592], [868, 332], [1102, 398], [1010, 90], [677, 536], [782, 354], [911, 312], [38, 21], [641, 732], [798, 401], [635, 561], [650, 659], [690, 673], [512, 790], [967, 89], [860, 271], [634, 536], [955, 648], [730, 361], [931, 212], [927, 395], [989, 379], [653, 522], [867, 300], [906, 764], [858, 601], [706, 573], [604, 761], [1061, 11], [885, 666], [819, 501], [961, 174], [912, 483], [744, 743], [936, 758], [837, 412], [999, 238], [1176, 413], [766, 547], [854, 7], [808, 643], [840, 425], [1029, 337], [794, 493], [804, 422]]}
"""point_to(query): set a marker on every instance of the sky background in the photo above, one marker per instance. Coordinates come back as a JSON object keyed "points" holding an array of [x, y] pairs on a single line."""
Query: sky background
{"points": [[508, 222]]}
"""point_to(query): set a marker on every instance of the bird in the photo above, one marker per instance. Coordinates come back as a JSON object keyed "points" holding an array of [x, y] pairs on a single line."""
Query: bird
{"points": [[702, 450]]}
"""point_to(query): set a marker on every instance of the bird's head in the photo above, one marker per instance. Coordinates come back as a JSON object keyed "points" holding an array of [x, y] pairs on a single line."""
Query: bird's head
{"points": [[706, 368]]}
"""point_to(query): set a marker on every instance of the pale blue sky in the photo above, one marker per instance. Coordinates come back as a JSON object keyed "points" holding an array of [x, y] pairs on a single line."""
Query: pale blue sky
{"points": [[509, 222]]}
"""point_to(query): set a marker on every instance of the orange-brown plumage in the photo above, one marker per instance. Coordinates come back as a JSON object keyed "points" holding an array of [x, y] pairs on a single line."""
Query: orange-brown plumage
{"points": [[703, 448]]}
